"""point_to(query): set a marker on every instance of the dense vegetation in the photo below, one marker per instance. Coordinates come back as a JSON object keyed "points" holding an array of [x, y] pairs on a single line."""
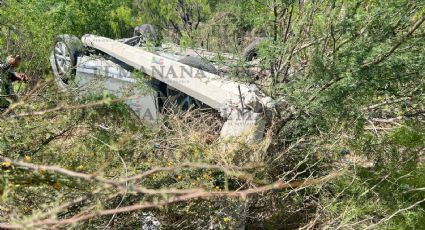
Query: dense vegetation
{"points": [[348, 81]]}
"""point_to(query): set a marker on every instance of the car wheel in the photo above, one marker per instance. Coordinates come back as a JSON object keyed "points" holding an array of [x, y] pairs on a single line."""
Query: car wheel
{"points": [[250, 53], [66, 50], [147, 33]]}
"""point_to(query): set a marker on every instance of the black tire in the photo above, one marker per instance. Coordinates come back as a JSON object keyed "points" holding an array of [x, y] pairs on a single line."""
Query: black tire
{"points": [[65, 53], [199, 63], [148, 34], [250, 53]]}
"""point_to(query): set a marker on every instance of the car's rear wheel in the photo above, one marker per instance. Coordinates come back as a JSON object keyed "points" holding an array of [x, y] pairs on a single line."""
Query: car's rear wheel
{"points": [[250, 52], [66, 50]]}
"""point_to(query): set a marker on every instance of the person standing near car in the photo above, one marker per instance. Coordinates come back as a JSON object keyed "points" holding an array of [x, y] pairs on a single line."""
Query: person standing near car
{"points": [[7, 77]]}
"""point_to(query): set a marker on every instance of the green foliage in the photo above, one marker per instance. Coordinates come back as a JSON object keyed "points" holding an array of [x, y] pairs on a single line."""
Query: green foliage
{"points": [[345, 73], [409, 136], [183, 17]]}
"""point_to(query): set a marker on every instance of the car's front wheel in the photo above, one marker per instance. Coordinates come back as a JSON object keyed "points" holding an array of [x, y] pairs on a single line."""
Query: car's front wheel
{"points": [[66, 50]]}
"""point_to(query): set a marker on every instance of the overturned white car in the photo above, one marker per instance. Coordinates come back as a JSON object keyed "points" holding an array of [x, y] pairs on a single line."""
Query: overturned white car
{"points": [[178, 78]]}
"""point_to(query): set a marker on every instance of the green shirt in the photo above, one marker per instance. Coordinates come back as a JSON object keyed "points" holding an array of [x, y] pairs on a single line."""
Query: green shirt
{"points": [[6, 88]]}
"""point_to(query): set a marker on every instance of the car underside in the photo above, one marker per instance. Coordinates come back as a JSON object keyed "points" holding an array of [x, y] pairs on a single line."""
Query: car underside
{"points": [[174, 78]]}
